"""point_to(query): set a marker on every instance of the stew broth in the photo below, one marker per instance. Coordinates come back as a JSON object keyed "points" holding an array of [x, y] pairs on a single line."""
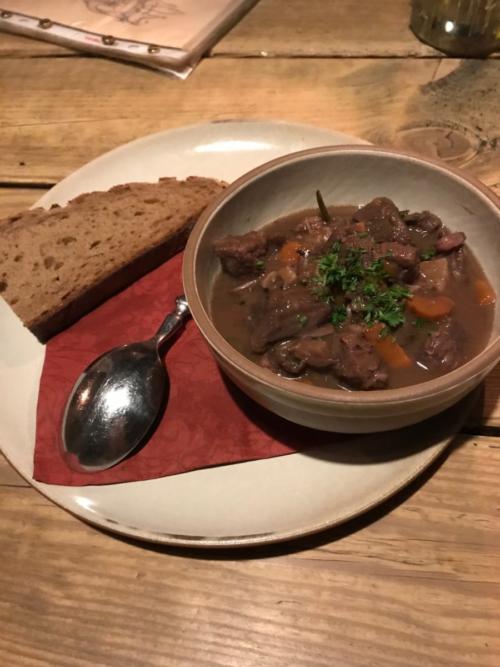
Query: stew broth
{"points": [[382, 298]]}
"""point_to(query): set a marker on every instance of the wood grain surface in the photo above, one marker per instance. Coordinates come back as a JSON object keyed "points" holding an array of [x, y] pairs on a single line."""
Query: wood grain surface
{"points": [[48, 130], [318, 28], [16, 199], [414, 582]]}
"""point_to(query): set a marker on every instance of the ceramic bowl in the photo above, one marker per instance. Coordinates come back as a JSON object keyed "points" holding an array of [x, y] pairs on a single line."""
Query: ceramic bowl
{"points": [[345, 175]]}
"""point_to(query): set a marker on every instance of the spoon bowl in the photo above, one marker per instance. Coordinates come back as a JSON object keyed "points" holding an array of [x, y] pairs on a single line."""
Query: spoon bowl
{"points": [[116, 401]]}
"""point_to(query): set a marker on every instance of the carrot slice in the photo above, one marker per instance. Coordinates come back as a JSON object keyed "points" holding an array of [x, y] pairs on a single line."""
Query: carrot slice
{"points": [[388, 349], [431, 307], [288, 253], [485, 294]]}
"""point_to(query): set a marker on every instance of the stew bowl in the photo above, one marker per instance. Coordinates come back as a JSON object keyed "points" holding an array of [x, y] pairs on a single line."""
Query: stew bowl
{"points": [[345, 175]]}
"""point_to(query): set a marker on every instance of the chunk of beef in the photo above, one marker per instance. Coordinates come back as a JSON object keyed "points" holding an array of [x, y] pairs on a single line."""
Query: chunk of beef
{"points": [[403, 255], [281, 358], [341, 229], [314, 234], [323, 330], [400, 260], [294, 356], [285, 313], [364, 243], [451, 241], [357, 363], [239, 255], [424, 221], [314, 351], [442, 348], [383, 220], [306, 269]]}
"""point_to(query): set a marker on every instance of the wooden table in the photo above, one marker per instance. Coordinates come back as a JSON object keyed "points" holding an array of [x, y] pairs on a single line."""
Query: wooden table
{"points": [[415, 582]]}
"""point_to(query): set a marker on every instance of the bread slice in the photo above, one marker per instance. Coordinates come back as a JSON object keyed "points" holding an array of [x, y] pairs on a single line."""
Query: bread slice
{"points": [[57, 265]]}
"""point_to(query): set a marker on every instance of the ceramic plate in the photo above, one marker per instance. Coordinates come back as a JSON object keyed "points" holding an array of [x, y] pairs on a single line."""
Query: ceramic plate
{"points": [[234, 505]]}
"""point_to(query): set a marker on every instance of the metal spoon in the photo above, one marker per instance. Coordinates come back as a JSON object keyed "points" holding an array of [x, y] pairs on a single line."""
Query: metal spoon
{"points": [[117, 400]]}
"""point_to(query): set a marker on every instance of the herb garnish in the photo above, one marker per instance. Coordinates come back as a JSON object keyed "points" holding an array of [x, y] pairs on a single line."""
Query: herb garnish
{"points": [[347, 273], [302, 319], [259, 263], [339, 316], [421, 323], [387, 306], [427, 254], [342, 270]]}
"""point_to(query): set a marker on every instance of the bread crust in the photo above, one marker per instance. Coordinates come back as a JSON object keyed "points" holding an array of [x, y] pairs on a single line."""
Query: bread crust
{"points": [[56, 265]]}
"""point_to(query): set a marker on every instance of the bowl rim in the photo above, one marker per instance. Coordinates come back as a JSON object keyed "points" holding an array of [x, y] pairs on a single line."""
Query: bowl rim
{"points": [[300, 390]]}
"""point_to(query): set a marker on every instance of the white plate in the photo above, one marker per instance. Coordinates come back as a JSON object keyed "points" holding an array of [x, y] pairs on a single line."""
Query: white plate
{"points": [[235, 505]]}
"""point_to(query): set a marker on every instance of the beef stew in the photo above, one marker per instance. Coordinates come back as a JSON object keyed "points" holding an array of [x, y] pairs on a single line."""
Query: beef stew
{"points": [[360, 298]]}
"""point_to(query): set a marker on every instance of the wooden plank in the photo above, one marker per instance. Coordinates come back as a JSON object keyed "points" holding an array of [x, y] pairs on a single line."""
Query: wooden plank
{"points": [[412, 583], [490, 413], [8, 476], [441, 123], [48, 131], [39, 117], [296, 28], [13, 200], [358, 28], [486, 412]]}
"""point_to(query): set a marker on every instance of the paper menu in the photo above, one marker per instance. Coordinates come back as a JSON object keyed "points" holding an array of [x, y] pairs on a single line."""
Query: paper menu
{"points": [[159, 33]]}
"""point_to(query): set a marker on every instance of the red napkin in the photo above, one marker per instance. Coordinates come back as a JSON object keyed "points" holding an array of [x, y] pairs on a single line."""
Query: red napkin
{"points": [[207, 421]]}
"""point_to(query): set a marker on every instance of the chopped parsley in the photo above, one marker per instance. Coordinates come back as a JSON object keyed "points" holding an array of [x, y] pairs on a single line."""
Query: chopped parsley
{"points": [[387, 306], [421, 323], [427, 254], [339, 316], [364, 285], [259, 263], [370, 288], [302, 319], [377, 268], [343, 270], [384, 333]]}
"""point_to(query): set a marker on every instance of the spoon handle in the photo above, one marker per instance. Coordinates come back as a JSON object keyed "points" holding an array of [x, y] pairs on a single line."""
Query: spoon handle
{"points": [[173, 320]]}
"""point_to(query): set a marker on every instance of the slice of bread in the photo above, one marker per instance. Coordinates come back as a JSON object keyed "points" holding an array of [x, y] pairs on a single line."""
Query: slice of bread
{"points": [[57, 265]]}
